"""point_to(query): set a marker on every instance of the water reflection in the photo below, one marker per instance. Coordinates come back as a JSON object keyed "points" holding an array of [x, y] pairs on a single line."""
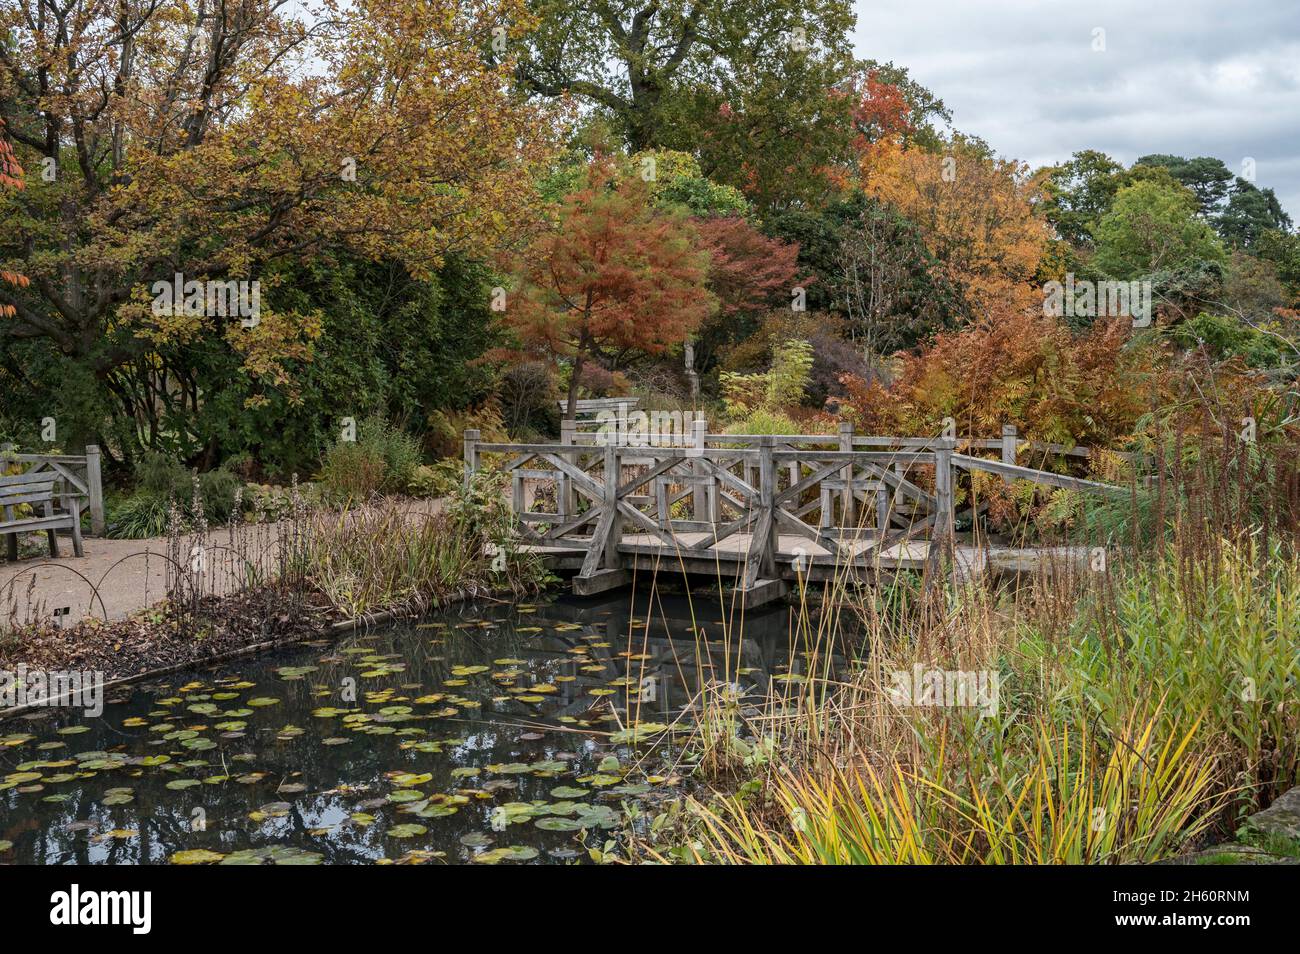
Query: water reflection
{"points": [[484, 733]]}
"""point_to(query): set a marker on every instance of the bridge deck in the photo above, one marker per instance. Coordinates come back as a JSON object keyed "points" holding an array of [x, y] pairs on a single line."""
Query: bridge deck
{"points": [[800, 558]]}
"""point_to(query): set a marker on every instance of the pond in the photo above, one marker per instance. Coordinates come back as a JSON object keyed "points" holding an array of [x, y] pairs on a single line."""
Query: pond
{"points": [[486, 733]]}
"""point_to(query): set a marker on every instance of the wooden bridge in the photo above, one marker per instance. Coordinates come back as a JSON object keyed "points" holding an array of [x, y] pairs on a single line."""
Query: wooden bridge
{"points": [[759, 511]]}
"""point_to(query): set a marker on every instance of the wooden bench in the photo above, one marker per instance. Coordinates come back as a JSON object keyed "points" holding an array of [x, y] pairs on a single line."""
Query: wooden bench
{"points": [[37, 489], [587, 411]]}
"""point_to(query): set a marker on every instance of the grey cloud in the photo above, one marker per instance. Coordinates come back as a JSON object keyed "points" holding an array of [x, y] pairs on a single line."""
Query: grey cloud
{"points": [[1193, 77]]}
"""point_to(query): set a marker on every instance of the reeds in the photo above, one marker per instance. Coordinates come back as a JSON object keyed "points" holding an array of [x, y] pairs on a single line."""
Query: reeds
{"points": [[1140, 709], [383, 557]]}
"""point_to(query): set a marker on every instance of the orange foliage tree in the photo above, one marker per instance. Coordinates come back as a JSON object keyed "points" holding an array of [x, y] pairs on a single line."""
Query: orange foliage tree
{"points": [[614, 278], [219, 140], [11, 177], [1019, 367], [976, 214]]}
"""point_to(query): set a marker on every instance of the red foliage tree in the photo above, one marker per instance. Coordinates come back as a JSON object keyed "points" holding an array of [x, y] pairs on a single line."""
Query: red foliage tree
{"points": [[881, 112], [615, 276], [747, 270]]}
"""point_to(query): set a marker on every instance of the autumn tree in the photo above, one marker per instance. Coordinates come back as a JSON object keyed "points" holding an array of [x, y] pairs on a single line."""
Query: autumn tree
{"points": [[222, 140], [976, 213], [749, 273], [11, 177], [1021, 367], [614, 279]]}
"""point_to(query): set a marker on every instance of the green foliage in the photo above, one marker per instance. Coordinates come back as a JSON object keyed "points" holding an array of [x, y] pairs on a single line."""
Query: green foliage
{"points": [[160, 481], [1150, 227], [1283, 250], [1217, 642], [382, 459], [1207, 178], [388, 344], [772, 391], [870, 265], [677, 181], [788, 380], [1223, 336], [1250, 213], [1080, 192], [137, 517], [762, 421], [714, 78], [441, 479]]}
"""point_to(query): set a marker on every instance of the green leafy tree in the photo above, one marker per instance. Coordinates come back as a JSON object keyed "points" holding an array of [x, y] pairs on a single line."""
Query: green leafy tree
{"points": [[749, 85], [1250, 213], [1282, 248], [1079, 193], [675, 179], [636, 59], [1151, 228], [1207, 177]]}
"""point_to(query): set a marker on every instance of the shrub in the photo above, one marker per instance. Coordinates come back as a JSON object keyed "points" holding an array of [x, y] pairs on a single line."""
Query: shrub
{"points": [[437, 480], [447, 428], [161, 479], [382, 459], [143, 514], [783, 386], [765, 422]]}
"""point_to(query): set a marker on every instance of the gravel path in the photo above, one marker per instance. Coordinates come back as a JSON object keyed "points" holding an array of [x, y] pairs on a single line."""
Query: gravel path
{"points": [[127, 575]]}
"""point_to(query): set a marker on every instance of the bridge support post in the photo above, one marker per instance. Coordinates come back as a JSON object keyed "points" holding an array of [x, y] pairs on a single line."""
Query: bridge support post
{"points": [[471, 453], [602, 567], [1009, 441], [846, 498], [701, 505], [565, 504], [761, 584], [941, 549]]}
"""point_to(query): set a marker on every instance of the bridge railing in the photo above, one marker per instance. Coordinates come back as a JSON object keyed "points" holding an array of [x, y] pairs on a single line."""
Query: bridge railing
{"points": [[588, 492]]}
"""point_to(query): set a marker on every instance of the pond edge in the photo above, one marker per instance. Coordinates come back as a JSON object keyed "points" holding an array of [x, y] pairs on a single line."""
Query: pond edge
{"points": [[337, 628]]}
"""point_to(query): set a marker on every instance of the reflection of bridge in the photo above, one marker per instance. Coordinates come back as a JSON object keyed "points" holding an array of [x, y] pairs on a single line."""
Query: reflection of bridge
{"points": [[760, 510], [666, 647]]}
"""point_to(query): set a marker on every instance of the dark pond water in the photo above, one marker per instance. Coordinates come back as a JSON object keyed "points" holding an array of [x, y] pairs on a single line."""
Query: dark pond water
{"points": [[488, 734]]}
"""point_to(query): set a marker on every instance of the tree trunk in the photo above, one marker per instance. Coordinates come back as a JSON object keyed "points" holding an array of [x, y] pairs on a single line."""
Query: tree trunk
{"points": [[571, 411]]}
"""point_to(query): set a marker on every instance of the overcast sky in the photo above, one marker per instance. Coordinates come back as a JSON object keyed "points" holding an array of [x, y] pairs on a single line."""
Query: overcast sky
{"points": [[1188, 77]]}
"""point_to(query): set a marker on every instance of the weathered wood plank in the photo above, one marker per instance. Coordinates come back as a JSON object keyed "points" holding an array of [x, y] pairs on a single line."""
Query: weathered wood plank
{"points": [[1037, 476]]}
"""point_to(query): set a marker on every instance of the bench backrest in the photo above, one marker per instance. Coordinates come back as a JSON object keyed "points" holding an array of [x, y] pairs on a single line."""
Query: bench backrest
{"points": [[596, 405], [32, 488]]}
